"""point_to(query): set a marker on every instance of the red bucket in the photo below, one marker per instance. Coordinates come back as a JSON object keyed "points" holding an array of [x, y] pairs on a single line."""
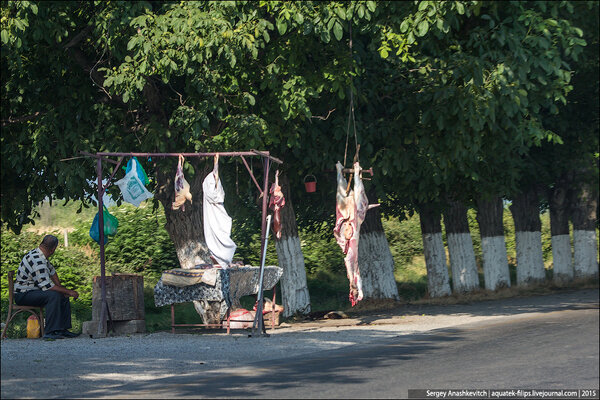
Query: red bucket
{"points": [[311, 186]]}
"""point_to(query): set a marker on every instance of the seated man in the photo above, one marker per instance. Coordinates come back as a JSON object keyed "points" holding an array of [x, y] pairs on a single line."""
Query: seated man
{"points": [[37, 285]]}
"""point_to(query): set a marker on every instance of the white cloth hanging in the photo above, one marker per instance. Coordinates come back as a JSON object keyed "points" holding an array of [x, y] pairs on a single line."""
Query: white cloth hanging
{"points": [[217, 223]]}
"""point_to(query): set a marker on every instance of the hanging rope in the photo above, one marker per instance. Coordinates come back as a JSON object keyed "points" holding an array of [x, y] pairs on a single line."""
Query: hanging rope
{"points": [[351, 109], [351, 117]]}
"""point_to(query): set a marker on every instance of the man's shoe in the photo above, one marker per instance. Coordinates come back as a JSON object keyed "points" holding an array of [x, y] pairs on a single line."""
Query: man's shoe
{"points": [[68, 334], [53, 335]]}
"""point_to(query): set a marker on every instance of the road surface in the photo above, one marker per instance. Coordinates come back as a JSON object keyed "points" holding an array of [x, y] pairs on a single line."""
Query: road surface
{"points": [[543, 342]]}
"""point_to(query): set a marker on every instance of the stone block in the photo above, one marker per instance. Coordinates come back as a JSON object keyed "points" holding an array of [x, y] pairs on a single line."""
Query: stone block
{"points": [[90, 328]]}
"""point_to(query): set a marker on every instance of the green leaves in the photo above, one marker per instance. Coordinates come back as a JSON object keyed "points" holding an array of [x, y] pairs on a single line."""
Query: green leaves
{"points": [[338, 31], [281, 26], [422, 28]]}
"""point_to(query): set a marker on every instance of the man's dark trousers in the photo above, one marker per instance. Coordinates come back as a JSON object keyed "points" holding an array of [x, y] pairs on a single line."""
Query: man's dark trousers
{"points": [[56, 306]]}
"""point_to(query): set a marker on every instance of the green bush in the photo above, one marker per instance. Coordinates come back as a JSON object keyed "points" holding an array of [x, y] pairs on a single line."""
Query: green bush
{"points": [[72, 267], [14, 247], [141, 245], [404, 239]]}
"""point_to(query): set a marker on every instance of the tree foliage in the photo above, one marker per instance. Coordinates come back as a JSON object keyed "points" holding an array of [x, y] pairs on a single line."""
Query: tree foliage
{"points": [[450, 96]]}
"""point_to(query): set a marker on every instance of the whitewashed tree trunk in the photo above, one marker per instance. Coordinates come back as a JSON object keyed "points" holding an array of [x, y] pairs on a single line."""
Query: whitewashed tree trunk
{"points": [[562, 258], [496, 274], [530, 262], [460, 248], [375, 260], [528, 238], [585, 246], [435, 254], [294, 289], [559, 227]]}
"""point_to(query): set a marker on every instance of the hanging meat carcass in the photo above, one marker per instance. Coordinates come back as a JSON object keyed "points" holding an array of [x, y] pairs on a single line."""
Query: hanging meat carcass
{"points": [[182, 188], [276, 202], [350, 212]]}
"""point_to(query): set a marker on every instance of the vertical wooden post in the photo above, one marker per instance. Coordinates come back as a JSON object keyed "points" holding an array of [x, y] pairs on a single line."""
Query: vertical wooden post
{"points": [[103, 310], [173, 318]]}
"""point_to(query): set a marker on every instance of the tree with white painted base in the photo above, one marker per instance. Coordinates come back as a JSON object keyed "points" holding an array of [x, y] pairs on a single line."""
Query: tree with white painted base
{"points": [[460, 248], [294, 290], [375, 259], [496, 274], [435, 255], [585, 245], [559, 228], [528, 237]]}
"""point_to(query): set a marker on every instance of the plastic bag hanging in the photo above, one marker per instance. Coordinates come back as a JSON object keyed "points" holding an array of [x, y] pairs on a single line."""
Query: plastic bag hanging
{"points": [[182, 188], [132, 188], [111, 224], [140, 170]]}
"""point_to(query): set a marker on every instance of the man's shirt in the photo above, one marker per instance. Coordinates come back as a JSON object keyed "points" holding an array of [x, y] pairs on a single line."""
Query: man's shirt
{"points": [[34, 272]]}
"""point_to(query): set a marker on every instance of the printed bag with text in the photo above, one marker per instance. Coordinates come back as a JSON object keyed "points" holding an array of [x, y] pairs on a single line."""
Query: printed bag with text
{"points": [[132, 187]]}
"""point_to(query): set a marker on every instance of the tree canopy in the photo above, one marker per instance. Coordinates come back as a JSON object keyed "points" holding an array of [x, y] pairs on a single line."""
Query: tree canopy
{"points": [[450, 96]]}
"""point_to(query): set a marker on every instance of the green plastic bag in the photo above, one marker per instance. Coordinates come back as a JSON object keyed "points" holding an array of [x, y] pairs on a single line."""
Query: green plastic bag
{"points": [[140, 170], [111, 223]]}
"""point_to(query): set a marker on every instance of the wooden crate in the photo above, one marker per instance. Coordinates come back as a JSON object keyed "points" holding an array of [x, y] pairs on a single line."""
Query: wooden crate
{"points": [[124, 295], [267, 318]]}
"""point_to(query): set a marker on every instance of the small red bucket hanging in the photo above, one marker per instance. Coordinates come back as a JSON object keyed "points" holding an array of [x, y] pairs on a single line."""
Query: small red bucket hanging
{"points": [[311, 186]]}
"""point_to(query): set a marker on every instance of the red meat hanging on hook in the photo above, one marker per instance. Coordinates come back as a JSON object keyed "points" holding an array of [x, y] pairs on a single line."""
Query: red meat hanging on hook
{"points": [[276, 202]]}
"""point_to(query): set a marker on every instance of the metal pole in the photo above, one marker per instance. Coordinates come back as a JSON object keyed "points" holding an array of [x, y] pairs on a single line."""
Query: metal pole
{"points": [[263, 248], [259, 322], [102, 323]]}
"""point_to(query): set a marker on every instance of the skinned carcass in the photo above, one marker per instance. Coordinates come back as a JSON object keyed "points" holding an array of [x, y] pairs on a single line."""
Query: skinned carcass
{"points": [[350, 211], [276, 202], [182, 188]]}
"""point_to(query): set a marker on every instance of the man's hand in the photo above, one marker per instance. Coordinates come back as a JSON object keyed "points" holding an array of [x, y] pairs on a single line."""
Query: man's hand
{"points": [[73, 294]]}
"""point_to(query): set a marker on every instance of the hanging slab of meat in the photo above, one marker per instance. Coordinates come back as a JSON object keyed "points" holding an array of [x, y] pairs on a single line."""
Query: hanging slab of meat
{"points": [[276, 201], [216, 221], [350, 213], [182, 188]]}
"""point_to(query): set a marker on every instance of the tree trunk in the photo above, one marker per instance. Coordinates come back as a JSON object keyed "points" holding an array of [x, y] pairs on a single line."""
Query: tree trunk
{"points": [[493, 247], [528, 237], [375, 259], [435, 255], [460, 248], [185, 227], [294, 290], [585, 247], [186, 230], [559, 228]]}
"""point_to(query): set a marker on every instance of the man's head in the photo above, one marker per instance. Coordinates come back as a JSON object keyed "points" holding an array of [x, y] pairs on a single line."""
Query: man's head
{"points": [[48, 245]]}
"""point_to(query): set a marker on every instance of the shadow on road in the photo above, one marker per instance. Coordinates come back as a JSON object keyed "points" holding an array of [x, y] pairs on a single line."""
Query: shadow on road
{"points": [[568, 300], [334, 367]]}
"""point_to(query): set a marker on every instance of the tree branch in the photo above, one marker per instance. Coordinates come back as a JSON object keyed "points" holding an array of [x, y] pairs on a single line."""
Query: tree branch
{"points": [[78, 38], [323, 118], [24, 118]]}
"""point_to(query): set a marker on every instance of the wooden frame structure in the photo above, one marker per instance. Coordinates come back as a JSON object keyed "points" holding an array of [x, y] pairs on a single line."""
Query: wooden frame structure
{"points": [[258, 326]]}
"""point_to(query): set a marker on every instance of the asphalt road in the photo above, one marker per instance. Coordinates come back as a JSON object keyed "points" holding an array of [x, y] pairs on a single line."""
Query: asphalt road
{"points": [[538, 342], [558, 350]]}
